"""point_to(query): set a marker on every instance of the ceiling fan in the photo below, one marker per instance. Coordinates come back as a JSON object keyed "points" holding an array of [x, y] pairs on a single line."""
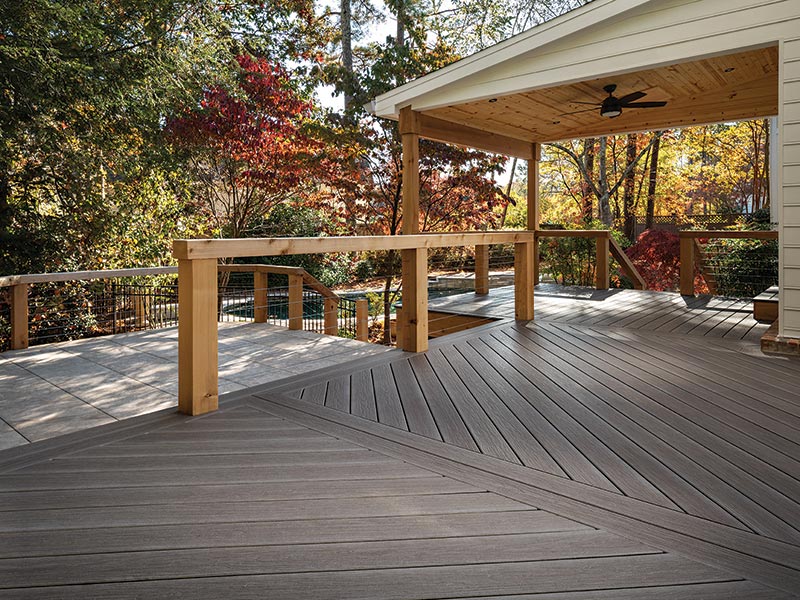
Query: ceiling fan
{"points": [[612, 106]]}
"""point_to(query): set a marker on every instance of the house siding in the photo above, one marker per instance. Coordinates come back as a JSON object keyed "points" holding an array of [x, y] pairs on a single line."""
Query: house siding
{"points": [[789, 135]]}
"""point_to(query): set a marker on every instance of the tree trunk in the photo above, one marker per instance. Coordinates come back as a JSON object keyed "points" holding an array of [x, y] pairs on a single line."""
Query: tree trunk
{"points": [[651, 186], [347, 52], [628, 200], [400, 36], [586, 190], [603, 205]]}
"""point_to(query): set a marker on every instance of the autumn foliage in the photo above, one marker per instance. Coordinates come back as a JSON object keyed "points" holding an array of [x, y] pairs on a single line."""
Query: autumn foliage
{"points": [[656, 255]]}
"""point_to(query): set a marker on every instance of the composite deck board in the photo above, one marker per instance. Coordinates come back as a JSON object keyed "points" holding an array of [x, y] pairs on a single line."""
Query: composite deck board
{"points": [[338, 394], [718, 478], [415, 407], [460, 581], [387, 398], [68, 542], [308, 442], [127, 496], [694, 411], [316, 557], [362, 395]]}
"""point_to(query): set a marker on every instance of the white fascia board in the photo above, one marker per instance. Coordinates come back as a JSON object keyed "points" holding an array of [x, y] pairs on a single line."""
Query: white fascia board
{"points": [[597, 11]]}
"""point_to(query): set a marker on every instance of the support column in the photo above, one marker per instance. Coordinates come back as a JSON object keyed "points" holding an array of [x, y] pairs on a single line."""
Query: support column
{"points": [[687, 266], [602, 273], [331, 316], [534, 214], [19, 316], [415, 301], [410, 171], [482, 269], [260, 308], [296, 302], [197, 336], [523, 280], [362, 320]]}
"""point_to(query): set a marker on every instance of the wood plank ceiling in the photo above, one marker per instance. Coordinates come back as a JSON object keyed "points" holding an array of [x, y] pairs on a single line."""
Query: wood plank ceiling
{"points": [[723, 88]]}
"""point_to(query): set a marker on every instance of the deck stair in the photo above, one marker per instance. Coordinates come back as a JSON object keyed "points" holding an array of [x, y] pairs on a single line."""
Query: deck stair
{"points": [[765, 305]]}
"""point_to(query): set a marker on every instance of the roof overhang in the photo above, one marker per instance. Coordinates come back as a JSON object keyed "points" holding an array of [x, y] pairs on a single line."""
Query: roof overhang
{"points": [[710, 60]]}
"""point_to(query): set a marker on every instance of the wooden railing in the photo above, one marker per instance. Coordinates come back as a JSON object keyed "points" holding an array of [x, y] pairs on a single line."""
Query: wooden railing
{"points": [[197, 263], [297, 276], [692, 253], [606, 246]]}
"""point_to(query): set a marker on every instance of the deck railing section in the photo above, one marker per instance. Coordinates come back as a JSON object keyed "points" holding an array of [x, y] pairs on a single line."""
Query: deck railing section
{"points": [[741, 269], [197, 263], [122, 304], [606, 247]]}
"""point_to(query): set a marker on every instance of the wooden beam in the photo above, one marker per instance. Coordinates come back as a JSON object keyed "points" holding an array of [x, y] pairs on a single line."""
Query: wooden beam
{"points": [[295, 302], [523, 281], [19, 316], [482, 269], [10, 280], [626, 265], [197, 336], [331, 316], [602, 272], [440, 130], [362, 320], [573, 233], [260, 296], [687, 265], [415, 301], [410, 171], [216, 248]]}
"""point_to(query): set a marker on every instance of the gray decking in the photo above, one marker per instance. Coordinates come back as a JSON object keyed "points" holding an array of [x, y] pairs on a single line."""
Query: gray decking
{"points": [[586, 455]]}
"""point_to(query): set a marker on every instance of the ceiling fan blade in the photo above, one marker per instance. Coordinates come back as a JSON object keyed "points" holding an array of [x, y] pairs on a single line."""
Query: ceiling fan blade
{"points": [[632, 97], [644, 104]]}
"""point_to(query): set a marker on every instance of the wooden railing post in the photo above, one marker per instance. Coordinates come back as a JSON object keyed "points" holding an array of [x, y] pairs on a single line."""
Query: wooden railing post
{"points": [[482, 269], [331, 316], [295, 302], [687, 266], [602, 273], [523, 281], [260, 308], [19, 316], [415, 300], [197, 336], [362, 319], [140, 308]]}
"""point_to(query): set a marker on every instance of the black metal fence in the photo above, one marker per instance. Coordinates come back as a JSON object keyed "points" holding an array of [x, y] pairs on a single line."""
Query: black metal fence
{"points": [[82, 309]]}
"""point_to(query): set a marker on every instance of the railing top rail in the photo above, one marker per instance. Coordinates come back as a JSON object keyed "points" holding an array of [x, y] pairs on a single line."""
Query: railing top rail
{"points": [[231, 248], [579, 233], [733, 235], [9, 280]]}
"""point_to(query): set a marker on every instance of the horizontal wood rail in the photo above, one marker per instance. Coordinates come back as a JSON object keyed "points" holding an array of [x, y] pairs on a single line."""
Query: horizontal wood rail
{"points": [[298, 278], [691, 252], [197, 260]]}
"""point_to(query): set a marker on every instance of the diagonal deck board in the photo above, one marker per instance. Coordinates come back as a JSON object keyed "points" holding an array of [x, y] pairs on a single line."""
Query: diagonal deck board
{"points": [[366, 538]]}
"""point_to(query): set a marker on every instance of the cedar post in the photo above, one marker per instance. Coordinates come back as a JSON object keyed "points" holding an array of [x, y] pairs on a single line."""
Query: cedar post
{"points": [[331, 316], [523, 280], [362, 319], [408, 128], [197, 336], [415, 300], [602, 273], [295, 302], [19, 316], [260, 309], [687, 266], [482, 269]]}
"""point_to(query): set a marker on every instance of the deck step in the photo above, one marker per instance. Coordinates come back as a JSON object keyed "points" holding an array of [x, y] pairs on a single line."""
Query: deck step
{"points": [[765, 305]]}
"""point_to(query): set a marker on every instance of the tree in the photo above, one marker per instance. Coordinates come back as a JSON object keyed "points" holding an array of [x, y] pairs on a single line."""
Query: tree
{"points": [[252, 145]]}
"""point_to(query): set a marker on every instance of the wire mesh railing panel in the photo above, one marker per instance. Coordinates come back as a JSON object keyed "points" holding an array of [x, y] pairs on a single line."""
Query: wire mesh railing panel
{"points": [[739, 268]]}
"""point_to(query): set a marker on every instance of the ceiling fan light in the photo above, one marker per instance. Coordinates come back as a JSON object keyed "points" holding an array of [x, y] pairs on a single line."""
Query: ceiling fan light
{"points": [[610, 112]]}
